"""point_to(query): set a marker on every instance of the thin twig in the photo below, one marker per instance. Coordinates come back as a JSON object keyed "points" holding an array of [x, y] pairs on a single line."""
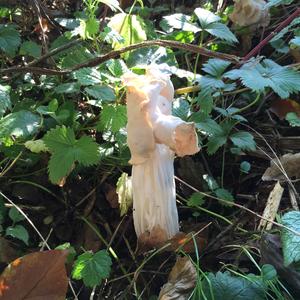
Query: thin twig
{"points": [[115, 53]]}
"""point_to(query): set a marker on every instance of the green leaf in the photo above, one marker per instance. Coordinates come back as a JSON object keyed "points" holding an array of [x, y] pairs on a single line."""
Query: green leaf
{"points": [[197, 199], [19, 232], [88, 76], [92, 268], [101, 93], [278, 2], [215, 67], [66, 150], [31, 49], [206, 17], [205, 102], [19, 124], [211, 182], [268, 272], [130, 27], [67, 88], [124, 191], [210, 127], [243, 140], [222, 32], [4, 99], [215, 142], [9, 39], [36, 146], [295, 42], [178, 21], [225, 286], [113, 4], [181, 109], [225, 195], [117, 67], [257, 77], [293, 119], [112, 118], [75, 56], [71, 251], [15, 215], [291, 241]]}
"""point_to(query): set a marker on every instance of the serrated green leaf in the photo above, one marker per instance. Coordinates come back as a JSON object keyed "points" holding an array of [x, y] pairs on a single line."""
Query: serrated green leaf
{"points": [[291, 241], [117, 67], [215, 142], [181, 109], [19, 232], [206, 17], [67, 88], [210, 127], [243, 140], [101, 93], [225, 195], [19, 124], [222, 32], [205, 102], [215, 67], [66, 150], [36, 146], [130, 27], [197, 199], [124, 191], [31, 49], [9, 39], [92, 268], [225, 286], [88, 76], [15, 215], [5, 102], [178, 21], [75, 56], [112, 118]]}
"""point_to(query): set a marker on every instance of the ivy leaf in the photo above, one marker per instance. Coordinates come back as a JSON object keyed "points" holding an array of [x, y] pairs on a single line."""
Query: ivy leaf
{"points": [[225, 195], [88, 76], [130, 27], [19, 232], [92, 268], [66, 150], [9, 39], [226, 286], [112, 118], [31, 49], [4, 99], [197, 199], [178, 21], [101, 93], [243, 140], [291, 241], [19, 124]]}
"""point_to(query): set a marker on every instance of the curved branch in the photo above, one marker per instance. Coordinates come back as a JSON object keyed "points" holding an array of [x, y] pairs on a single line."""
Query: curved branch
{"points": [[115, 53]]}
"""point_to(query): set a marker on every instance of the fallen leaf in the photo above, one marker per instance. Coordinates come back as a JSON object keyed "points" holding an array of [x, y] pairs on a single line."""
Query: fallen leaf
{"points": [[281, 107], [44, 26], [181, 282], [271, 207], [36, 276], [288, 163]]}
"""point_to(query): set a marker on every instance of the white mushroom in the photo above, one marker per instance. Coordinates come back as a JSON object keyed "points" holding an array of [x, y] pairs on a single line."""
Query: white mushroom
{"points": [[154, 136]]}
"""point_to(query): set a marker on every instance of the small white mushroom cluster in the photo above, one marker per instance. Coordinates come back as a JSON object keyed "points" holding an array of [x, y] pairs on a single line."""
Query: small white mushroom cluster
{"points": [[154, 136]]}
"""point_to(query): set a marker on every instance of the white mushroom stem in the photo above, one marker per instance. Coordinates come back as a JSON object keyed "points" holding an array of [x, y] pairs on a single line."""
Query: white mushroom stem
{"points": [[154, 136]]}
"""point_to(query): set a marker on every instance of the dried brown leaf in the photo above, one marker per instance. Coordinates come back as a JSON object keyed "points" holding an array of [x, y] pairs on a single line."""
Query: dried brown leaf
{"points": [[36, 276], [288, 163], [181, 282]]}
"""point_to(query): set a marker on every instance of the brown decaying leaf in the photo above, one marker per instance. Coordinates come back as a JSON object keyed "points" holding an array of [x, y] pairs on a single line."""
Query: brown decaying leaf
{"points": [[181, 282], [36, 276], [281, 107], [289, 162], [271, 206]]}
